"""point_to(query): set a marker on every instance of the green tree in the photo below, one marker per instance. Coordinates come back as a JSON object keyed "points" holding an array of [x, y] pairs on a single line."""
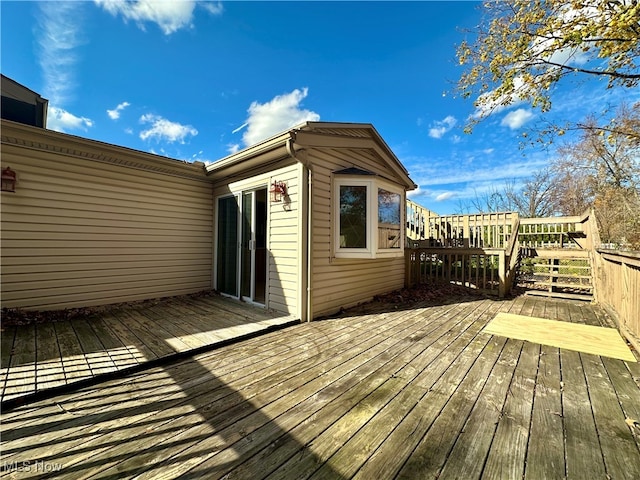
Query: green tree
{"points": [[523, 47]]}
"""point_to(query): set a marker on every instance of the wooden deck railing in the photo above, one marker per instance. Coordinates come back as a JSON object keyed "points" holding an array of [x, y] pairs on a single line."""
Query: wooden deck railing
{"points": [[482, 230], [617, 288], [551, 232], [481, 252], [482, 269]]}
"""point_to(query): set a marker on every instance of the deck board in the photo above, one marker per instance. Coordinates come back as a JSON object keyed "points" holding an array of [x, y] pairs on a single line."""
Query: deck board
{"points": [[583, 450], [381, 392], [507, 453], [49, 367], [271, 394], [21, 377], [546, 450], [119, 338], [616, 440]]}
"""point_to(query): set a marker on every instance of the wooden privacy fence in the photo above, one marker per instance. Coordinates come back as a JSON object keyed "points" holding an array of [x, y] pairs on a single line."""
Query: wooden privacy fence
{"points": [[617, 287]]}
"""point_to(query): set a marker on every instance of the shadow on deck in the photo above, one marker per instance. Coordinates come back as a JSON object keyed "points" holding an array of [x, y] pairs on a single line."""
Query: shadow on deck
{"points": [[41, 359]]}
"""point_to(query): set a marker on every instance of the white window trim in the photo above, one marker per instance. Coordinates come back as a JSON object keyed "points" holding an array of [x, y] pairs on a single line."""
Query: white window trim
{"points": [[372, 250]]}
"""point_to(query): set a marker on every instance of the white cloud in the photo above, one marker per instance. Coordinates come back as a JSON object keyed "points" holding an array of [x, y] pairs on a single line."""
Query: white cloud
{"points": [[485, 106], [278, 114], [441, 127], [60, 120], [236, 130], [58, 34], [115, 113], [517, 118], [170, 16], [429, 172], [445, 196], [165, 130], [233, 148], [415, 193]]}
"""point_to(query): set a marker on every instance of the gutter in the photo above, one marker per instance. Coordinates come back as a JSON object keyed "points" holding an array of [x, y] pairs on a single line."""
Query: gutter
{"points": [[307, 274]]}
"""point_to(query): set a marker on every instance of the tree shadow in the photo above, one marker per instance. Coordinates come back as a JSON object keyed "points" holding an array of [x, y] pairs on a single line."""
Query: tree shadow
{"points": [[180, 420]]}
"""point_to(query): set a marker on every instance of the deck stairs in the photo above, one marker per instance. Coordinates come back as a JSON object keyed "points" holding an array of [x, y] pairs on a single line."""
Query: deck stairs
{"points": [[555, 272]]}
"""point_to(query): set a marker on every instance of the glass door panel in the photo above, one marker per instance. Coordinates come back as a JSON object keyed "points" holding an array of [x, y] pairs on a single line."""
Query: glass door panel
{"points": [[247, 244], [227, 261], [261, 257]]}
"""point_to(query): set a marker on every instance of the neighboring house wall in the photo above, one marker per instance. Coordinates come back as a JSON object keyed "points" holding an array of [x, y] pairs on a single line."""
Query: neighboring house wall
{"points": [[92, 224], [20, 104], [283, 239], [341, 282]]}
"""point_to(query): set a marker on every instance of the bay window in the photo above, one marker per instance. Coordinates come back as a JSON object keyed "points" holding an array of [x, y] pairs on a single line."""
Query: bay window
{"points": [[368, 216]]}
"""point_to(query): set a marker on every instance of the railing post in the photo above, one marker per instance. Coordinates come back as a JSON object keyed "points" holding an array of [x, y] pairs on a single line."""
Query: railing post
{"points": [[502, 277], [407, 268]]}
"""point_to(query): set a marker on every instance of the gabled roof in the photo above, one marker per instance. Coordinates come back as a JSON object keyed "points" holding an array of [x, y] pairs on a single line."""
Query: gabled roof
{"points": [[310, 135]]}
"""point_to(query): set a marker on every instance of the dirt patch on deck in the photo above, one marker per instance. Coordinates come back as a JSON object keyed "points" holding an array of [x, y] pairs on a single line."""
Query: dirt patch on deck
{"points": [[426, 293], [18, 316], [438, 293]]}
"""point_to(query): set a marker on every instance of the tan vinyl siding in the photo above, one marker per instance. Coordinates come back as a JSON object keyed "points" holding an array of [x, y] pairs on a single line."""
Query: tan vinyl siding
{"points": [[80, 232], [283, 233], [339, 283]]}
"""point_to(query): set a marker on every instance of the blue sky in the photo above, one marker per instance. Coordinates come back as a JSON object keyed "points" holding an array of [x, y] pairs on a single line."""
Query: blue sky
{"points": [[200, 80]]}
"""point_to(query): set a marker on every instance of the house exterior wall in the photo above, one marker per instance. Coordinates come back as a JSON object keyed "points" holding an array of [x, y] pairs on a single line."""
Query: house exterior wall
{"points": [[21, 104], [284, 245], [92, 224], [341, 282]]}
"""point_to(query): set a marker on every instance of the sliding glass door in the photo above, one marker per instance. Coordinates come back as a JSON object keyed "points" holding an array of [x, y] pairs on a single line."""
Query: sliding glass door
{"points": [[242, 245], [227, 258]]}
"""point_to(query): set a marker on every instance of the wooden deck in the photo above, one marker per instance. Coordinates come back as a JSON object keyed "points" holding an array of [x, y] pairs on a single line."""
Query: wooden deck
{"points": [[382, 392], [43, 357]]}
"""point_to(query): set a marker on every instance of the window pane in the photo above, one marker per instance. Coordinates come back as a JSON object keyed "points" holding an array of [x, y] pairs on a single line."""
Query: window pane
{"points": [[389, 215], [353, 216]]}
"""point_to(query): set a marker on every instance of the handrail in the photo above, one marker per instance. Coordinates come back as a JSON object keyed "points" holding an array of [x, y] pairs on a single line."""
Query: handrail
{"points": [[550, 220], [511, 256]]}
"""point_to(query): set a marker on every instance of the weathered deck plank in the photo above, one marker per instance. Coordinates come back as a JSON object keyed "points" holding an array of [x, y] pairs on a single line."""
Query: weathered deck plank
{"points": [[583, 450], [49, 367], [94, 351], [121, 355], [74, 361], [431, 453], [386, 381], [268, 393], [115, 421], [621, 454], [507, 454], [381, 393], [134, 341], [545, 455], [21, 375], [385, 462]]}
